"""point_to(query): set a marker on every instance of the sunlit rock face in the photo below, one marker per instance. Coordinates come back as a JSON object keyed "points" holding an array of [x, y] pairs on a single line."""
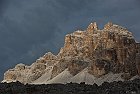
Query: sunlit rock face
{"points": [[112, 49]]}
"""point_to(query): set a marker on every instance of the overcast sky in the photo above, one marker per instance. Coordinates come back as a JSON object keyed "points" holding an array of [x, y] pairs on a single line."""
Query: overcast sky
{"points": [[30, 28]]}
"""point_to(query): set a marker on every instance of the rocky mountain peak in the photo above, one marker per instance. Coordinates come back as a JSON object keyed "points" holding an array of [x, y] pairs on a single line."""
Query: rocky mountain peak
{"points": [[93, 26], [91, 55], [108, 26]]}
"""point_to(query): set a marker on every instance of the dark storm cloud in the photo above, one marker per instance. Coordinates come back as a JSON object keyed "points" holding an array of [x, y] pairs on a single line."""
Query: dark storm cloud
{"points": [[29, 28]]}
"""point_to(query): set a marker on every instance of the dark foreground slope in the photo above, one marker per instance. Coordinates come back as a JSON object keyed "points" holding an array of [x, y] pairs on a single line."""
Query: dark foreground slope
{"points": [[127, 87]]}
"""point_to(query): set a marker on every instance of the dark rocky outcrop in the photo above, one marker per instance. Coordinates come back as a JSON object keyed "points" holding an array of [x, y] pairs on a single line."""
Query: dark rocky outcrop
{"points": [[126, 87]]}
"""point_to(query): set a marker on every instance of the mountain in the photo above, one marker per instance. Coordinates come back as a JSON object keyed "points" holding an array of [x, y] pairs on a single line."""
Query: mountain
{"points": [[90, 56]]}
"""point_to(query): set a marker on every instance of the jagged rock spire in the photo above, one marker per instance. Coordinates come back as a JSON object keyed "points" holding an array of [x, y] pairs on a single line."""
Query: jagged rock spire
{"points": [[93, 26], [108, 26]]}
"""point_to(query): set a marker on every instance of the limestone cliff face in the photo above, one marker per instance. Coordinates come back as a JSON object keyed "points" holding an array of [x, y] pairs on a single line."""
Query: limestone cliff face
{"points": [[112, 49]]}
